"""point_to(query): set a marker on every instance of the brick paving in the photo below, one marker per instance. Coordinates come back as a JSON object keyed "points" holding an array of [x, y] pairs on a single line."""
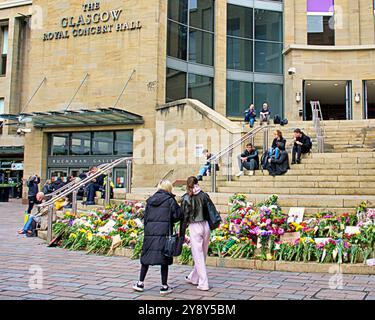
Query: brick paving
{"points": [[74, 275]]}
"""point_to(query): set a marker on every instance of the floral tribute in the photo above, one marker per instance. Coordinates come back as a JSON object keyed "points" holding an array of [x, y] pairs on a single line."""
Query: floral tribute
{"points": [[249, 231]]}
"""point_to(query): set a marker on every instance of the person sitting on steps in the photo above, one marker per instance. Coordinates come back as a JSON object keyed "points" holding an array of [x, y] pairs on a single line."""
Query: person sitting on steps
{"points": [[249, 160], [302, 145], [206, 169], [279, 165], [250, 115], [265, 114]]}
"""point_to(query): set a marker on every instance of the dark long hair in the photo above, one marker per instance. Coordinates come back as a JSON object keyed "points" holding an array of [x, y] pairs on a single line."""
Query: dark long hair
{"points": [[190, 183]]}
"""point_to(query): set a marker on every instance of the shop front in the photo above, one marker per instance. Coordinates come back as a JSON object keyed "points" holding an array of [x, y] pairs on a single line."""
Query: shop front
{"points": [[74, 153], [11, 169]]}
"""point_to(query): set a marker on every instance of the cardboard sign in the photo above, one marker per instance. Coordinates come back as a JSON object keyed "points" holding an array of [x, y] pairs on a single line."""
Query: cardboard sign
{"points": [[296, 215], [370, 262], [290, 237], [321, 240], [199, 150], [352, 230]]}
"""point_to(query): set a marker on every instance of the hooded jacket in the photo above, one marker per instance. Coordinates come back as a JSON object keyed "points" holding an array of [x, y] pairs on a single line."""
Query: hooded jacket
{"points": [[161, 212], [32, 184]]}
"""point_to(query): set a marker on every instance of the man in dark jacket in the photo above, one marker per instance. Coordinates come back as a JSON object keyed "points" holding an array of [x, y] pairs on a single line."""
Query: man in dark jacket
{"points": [[162, 211], [249, 160], [58, 184], [279, 166], [93, 186], [32, 184], [302, 145]]}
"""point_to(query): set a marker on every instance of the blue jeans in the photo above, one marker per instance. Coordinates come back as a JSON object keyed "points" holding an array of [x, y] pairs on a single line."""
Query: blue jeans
{"points": [[203, 170], [251, 122], [27, 226], [91, 191]]}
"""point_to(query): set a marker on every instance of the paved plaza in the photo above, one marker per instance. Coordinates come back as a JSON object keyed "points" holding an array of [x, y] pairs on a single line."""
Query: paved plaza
{"points": [[67, 275]]}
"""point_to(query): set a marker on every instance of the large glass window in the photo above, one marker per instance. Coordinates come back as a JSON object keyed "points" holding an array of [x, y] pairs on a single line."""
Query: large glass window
{"points": [[123, 143], [102, 143], [202, 14], [178, 10], [176, 85], [239, 96], [177, 40], [4, 48], [254, 31], [272, 94], [320, 22], [201, 88], [201, 47], [80, 143], [60, 144]]}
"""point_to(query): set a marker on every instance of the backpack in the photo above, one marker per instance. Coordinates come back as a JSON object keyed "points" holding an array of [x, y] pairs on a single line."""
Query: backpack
{"points": [[277, 119]]}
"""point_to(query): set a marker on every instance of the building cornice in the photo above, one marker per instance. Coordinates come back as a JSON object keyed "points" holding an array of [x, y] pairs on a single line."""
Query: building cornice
{"points": [[327, 48], [15, 3]]}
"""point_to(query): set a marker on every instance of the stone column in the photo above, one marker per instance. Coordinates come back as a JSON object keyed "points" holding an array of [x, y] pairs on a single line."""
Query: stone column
{"points": [[220, 56]]}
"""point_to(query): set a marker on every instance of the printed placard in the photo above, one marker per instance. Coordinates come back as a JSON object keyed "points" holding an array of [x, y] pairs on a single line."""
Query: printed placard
{"points": [[321, 240], [290, 237], [352, 230], [296, 215]]}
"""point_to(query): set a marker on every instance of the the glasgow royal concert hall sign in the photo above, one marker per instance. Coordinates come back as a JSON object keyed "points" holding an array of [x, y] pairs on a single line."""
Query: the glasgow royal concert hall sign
{"points": [[92, 21]]}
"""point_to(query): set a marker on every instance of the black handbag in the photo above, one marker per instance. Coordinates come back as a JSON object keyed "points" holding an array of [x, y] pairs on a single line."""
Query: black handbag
{"points": [[214, 218], [174, 242]]}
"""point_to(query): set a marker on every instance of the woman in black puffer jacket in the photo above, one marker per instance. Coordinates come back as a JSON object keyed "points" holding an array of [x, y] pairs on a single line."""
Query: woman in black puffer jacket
{"points": [[161, 211]]}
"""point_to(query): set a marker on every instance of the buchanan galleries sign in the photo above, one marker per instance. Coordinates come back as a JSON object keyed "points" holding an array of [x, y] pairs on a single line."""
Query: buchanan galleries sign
{"points": [[91, 22]]}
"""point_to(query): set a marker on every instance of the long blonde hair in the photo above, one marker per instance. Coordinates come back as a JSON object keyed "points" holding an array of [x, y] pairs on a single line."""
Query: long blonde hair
{"points": [[165, 185]]}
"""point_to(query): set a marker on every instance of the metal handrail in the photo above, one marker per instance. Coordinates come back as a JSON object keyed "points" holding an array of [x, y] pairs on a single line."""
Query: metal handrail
{"points": [[317, 118], [70, 184], [74, 189], [228, 152]]}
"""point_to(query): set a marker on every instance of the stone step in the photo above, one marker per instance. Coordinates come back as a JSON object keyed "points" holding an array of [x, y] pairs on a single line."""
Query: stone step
{"points": [[294, 190]]}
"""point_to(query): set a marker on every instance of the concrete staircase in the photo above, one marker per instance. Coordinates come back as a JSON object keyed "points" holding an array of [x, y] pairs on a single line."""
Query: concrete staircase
{"points": [[338, 180]]}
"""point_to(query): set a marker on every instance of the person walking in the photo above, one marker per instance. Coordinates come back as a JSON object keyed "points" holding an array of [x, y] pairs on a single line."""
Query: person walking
{"points": [[195, 210], [161, 211], [32, 184]]}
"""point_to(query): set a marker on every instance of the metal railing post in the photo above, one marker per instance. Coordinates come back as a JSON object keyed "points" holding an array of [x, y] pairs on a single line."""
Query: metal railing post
{"points": [[128, 176], [229, 172], [49, 224], [74, 202], [107, 200], [213, 176], [265, 140]]}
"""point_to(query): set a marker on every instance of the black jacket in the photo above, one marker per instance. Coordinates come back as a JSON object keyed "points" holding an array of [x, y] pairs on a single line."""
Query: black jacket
{"points": [[160, 208], [274, 142], [194, 208], [32, 184], [306, 142], [279, 166], [57, 185], [253, 155]]}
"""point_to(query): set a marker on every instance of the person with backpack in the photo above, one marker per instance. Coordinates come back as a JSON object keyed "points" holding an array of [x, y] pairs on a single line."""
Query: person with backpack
{"points": [[250, 115], [274, 151], [302, 145], [33, 185], [196, 206], [161, 213]]}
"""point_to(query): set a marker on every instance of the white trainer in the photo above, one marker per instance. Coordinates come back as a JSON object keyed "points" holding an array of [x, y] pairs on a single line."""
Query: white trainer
{"points": [[239, 174]]}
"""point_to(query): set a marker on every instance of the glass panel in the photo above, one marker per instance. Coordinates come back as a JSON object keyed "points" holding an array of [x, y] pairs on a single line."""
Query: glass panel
{"points": [[177, 41], [60, 144], [268, 57], [268, 25], [272, 94], [80, 144], [178, 10], [239, 97], [202, 14], [5, 40], [102, 143], [201, 47], [240, 21], [239, 54], [201, 88], [124, 143], [1, 105], [120, 176], [176, 85], [59, 173], [320, 30], [320, 5]]}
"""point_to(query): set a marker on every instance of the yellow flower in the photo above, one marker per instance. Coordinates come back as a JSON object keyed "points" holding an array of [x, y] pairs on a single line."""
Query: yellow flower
{"points": [[131, 223], [89, 236], [103, 237], [83, 231], [72, 236]]}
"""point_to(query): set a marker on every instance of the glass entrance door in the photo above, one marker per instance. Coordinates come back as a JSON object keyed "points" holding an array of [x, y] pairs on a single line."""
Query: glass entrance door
{"points": [[369, 99], [58, 173], [120, 178], [76, 172]]}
